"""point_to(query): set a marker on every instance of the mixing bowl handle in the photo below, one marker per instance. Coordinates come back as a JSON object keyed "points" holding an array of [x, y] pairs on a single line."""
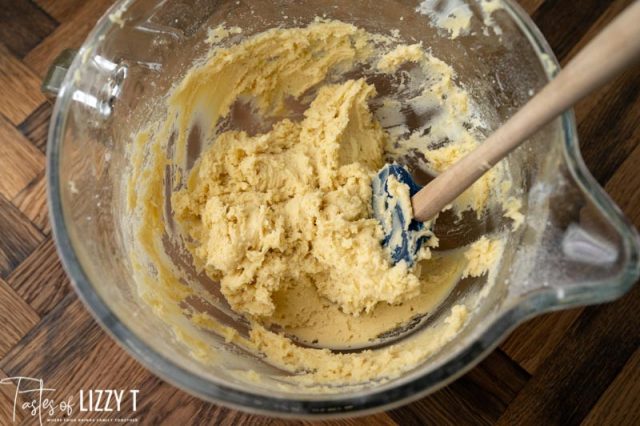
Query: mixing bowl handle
{"points": [[57, 71]]}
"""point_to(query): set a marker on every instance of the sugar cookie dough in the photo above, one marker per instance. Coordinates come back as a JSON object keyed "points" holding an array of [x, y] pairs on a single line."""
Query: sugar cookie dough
{"points": [[276, 211], [294, 205]]}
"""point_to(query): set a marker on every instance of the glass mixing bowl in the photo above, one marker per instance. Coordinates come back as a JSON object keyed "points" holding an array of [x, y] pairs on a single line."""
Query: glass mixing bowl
{"points": [[575, 247]]}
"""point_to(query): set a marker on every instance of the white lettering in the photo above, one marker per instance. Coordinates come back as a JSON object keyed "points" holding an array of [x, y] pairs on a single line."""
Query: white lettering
{"points": [[118, 395], [134, 395]]}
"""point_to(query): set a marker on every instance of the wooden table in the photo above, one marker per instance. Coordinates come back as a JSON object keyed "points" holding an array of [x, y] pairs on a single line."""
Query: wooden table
{"points": [[575, 366]]}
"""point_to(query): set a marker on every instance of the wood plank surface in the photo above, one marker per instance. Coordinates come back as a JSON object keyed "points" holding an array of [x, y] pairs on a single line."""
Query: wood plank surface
{"points": [[570, 367], [16, 316], [23, 25], [20, 85], [19, 160], [61, 10], [619, 404], [36, 126]]}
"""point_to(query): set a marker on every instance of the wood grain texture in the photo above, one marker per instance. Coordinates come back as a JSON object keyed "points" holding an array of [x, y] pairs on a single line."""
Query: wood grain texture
{"points": [[36, 126], [32, 202], [8, 398], [530, 6], [375, 420], [20, 88], [618, 99], [85, 349], [578, 372], [19, 237], [623, 186], [16, 317], [564, 23], [566, 367], [23, 25], [534, 340], [20, 161], [40, 280], [619, 404], [61, 10], [480, 397]]}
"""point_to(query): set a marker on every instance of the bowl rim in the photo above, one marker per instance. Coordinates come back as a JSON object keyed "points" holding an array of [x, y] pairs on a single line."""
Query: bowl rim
{"points": [[375, 400]]}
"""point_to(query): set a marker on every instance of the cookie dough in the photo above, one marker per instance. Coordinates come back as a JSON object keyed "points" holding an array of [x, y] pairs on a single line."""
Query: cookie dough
{"points": [[279, 212], [294, 205]]}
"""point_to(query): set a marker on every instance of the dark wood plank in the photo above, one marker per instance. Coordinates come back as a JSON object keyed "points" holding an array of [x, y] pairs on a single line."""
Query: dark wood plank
{"points": [[585, 362], [623, 186], [61, 10], [564, 23], [20, 88], [32, 202], [612, 10], [23, 25], [36, 126], [16, 317], [608, 117], [381, 419], [69, 34], [531, 343], [479, 397], [40, 280], [19, 237], [620, 404]]}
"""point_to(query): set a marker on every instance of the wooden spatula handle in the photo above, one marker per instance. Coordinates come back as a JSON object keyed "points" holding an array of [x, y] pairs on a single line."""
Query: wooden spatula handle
{"points": [[614, 49]]}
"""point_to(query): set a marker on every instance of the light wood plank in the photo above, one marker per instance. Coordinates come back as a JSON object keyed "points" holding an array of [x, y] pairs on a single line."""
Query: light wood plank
{"points": [[36, 126], [20, 161], [32, 202], [20, 88], [17, 318], [40, 280]]}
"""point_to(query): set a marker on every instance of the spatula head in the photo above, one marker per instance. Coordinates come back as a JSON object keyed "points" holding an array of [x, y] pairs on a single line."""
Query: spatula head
{"points": [[403, 236]]}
